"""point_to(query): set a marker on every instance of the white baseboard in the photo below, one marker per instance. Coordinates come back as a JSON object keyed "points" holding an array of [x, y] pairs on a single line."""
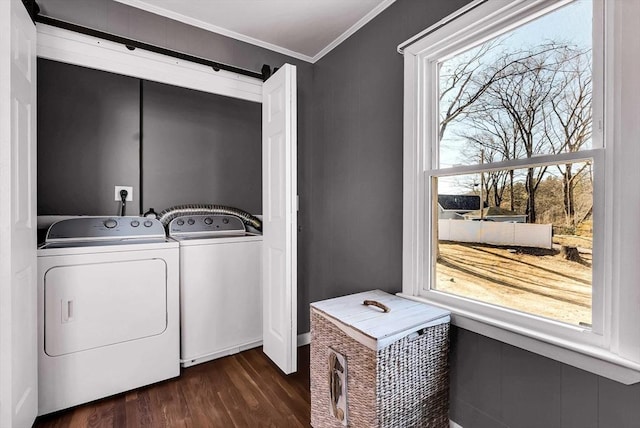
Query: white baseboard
{"points": [[453, 424], [219, 354], [304, 339]]}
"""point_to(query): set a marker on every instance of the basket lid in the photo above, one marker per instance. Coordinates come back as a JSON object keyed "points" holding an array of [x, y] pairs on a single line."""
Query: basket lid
{"points": [[371, 325]]}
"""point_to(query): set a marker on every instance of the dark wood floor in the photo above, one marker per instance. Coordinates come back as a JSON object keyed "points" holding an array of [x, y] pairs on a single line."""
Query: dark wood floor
{"points": [[243, 390]]}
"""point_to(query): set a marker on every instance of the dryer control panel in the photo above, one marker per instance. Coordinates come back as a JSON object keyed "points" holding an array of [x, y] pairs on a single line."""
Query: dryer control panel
{"points": [[105, 228], [203, 225]]}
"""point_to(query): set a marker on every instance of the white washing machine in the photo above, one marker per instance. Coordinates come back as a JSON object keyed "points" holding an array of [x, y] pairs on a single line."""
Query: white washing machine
{"points": [[108, 305], [220, 286]]}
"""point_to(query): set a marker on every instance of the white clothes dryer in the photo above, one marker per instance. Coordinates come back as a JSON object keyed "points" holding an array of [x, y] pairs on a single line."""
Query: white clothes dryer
{"points": [[220, 286], [108, 305]]}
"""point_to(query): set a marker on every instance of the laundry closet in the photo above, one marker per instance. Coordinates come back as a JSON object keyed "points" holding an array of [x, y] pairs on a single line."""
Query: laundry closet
{"points": [[176, 134]]}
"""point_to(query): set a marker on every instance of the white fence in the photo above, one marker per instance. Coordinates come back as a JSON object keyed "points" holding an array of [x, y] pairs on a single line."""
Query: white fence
{"points": [[496, 233]]}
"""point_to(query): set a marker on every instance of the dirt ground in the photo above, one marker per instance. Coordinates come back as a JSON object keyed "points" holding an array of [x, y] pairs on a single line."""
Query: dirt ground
{"points": [[534, 280]]}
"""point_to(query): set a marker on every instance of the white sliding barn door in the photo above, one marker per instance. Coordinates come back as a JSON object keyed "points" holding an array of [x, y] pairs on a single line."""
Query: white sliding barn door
{"points": [[18, 263], [279, 209]]}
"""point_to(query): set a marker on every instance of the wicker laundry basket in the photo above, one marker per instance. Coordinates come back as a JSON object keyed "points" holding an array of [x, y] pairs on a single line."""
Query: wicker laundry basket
{"points": [[372, 368]]}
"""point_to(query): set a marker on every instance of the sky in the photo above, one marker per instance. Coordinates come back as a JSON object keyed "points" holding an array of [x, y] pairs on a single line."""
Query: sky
{"points": [[571, 21]]}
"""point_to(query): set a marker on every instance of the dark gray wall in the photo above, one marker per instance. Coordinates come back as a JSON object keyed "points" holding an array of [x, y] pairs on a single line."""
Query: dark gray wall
{"points": [[356, 175], [200, 148], [88, 135], [494, 385], [122, 20]]}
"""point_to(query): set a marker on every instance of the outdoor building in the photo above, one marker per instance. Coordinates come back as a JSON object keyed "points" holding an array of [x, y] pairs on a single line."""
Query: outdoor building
{"points": [[454, 206], [496, 214]]}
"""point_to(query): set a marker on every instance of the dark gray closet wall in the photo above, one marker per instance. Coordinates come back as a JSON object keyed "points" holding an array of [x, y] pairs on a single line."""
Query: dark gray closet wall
{"points": [[200, 148], [196, 147], [88, 134]]}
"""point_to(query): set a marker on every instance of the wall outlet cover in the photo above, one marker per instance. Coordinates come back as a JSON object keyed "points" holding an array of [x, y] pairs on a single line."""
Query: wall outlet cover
{"points": [[129, 190]]}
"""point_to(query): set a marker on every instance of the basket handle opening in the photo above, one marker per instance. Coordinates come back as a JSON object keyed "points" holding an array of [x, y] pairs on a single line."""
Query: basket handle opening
{"points": [[377, 304]]}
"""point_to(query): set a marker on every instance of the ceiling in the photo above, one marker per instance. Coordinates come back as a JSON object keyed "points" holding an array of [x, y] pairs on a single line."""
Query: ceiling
{"points": [[303, 29]]}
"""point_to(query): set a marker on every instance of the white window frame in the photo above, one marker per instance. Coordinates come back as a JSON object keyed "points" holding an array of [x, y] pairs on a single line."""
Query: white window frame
{"points": [[611, 348]]}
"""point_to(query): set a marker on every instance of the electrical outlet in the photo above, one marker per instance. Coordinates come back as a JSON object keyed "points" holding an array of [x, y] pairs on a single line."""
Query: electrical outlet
{"points": [[129, 190]]}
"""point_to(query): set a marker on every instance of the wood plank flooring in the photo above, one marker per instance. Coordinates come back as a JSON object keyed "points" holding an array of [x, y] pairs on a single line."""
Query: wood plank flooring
{"points": [[243, 390]]}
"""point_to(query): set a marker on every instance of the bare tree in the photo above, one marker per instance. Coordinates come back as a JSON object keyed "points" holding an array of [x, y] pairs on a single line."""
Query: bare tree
{"points": [[464, 81], [484, 145], [570, 117], [520, 96], [460, 88], [493, 131]]}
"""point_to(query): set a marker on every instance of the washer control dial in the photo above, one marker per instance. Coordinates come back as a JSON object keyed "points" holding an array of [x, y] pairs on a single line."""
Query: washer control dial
{"points": [[191, 221], [110, 223], [148, 223], [135, 223], [208, 220], [180, 222]]}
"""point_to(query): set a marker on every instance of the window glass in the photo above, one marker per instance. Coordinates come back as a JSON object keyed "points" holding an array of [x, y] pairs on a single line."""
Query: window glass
{"points": [[501, 255], [524, 93], [516, 111]]}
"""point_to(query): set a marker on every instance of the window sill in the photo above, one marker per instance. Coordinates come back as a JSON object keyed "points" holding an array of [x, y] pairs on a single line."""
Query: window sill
{"points": [[589, 358]]}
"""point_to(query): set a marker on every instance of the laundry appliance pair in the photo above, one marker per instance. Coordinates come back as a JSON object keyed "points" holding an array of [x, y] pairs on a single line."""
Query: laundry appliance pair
{"points": [[121, 305]]}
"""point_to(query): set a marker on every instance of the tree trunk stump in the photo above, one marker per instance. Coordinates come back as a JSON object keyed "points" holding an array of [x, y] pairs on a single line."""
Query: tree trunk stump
{"points": [[570, 253]]}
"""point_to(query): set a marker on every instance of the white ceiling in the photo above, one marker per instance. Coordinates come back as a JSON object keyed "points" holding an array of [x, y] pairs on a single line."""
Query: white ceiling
{"points": [[304, 29]]}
